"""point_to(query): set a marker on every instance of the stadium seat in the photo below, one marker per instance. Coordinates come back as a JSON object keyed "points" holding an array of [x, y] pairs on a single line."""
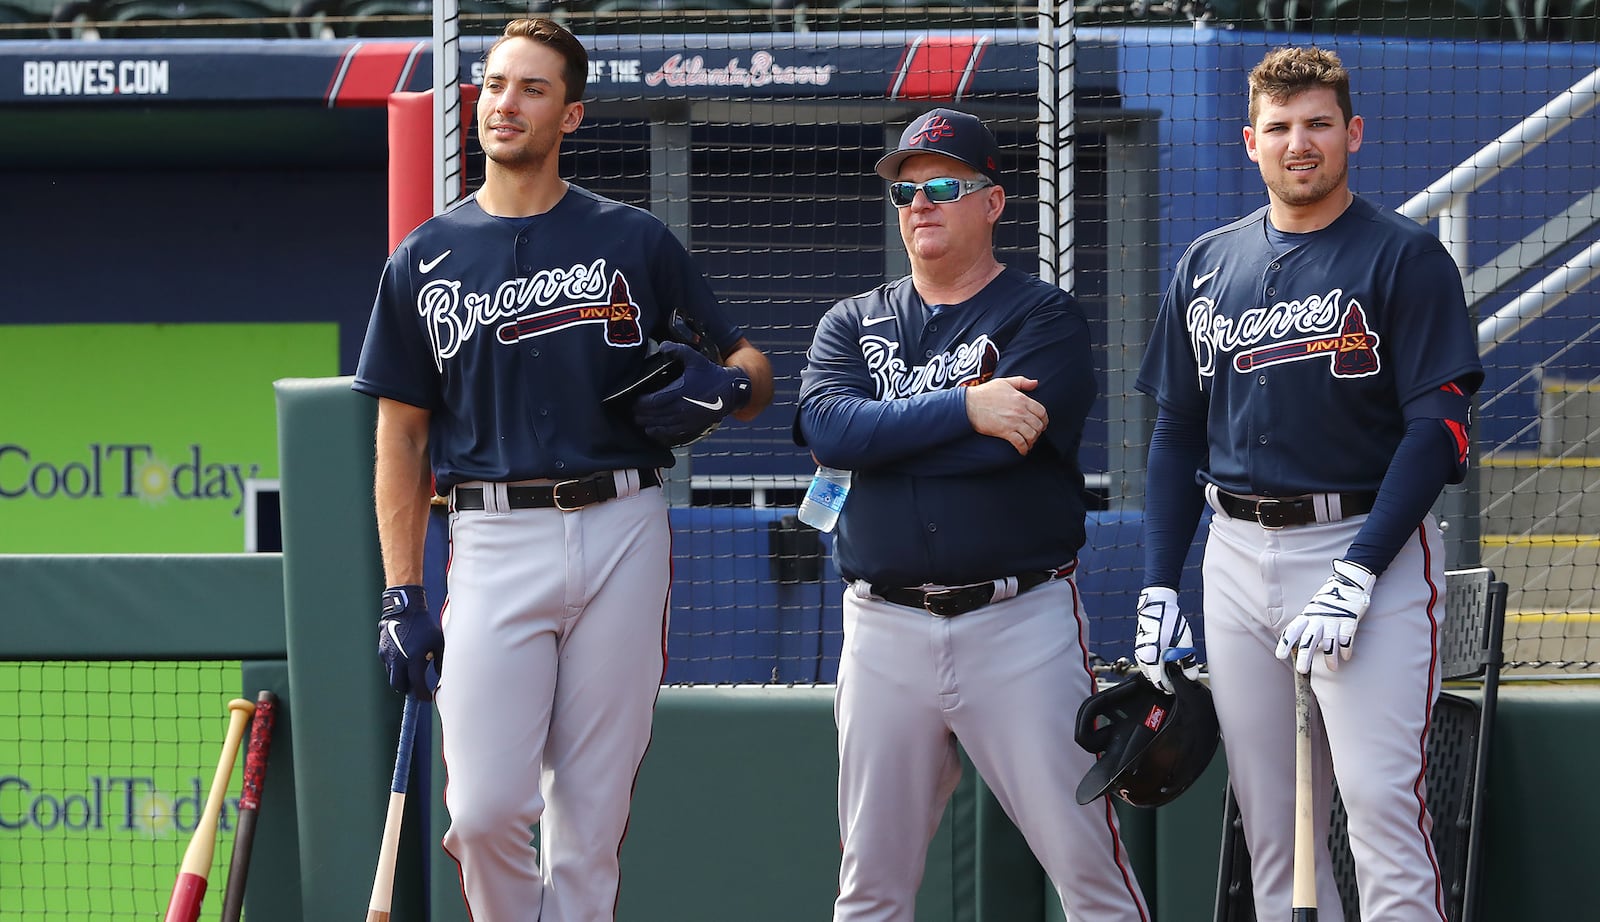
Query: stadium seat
{"points": [[1458, 763], [1574, 20], [1431, 19], [938, 14], [25, 18], [1148, 12], [187, 19], [414, 18], [680, 16]]}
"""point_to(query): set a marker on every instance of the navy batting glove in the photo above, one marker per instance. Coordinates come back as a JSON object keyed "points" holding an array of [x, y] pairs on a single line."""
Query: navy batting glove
{"points": [[410, 642], [696, 402]]}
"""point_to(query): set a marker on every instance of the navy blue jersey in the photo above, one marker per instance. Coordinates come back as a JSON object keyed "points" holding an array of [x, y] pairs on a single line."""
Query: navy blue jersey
{"points": [[511, 331], [932, 501], [1302, 355]]}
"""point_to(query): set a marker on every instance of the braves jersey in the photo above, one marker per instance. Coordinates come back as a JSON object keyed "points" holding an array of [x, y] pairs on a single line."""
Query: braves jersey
{"points": [[511, 331], [931, 500], [1302, 349]]}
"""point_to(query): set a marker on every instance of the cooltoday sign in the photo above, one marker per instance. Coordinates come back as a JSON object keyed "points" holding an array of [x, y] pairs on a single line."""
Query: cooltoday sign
{"points": [[140, 438], [104, 771]]}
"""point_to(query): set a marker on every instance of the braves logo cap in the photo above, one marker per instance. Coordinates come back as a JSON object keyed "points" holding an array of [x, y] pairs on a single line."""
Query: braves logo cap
{"points": [[956, 135]]}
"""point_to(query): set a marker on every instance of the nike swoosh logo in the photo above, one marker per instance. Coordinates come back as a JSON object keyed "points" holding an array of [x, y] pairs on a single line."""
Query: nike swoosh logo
{"points": [[1202, 279], [714, 405], [874, 321], [426, 265], [394, 638]]}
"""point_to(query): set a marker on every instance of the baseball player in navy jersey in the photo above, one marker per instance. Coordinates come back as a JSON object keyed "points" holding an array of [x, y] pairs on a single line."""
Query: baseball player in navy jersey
{"points": [[499, 327], [957, 398], [1312, 366]]}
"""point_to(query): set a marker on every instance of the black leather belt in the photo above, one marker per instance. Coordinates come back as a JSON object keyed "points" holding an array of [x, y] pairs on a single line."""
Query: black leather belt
{"points": [[566, 495], [1281, 512], [958, 600]]}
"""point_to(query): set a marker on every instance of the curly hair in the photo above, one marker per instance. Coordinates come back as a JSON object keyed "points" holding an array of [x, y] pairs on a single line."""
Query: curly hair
{"points": [[1287, 72]]}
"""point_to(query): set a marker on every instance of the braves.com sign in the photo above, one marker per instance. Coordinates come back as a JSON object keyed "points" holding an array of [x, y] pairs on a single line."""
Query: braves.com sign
{"points": [[128, 77]]}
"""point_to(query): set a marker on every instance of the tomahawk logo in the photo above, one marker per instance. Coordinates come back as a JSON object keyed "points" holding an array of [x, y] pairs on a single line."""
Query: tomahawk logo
{"points": [[932, 130], [1354, 350], [1320, 325]]}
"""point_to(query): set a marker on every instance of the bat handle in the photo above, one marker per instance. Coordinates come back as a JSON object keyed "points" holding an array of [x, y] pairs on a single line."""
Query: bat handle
{"points": [[1305, 858], [383, 880]]}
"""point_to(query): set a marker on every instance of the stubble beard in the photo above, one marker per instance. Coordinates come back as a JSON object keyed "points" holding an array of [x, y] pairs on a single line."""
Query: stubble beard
{"points": [[1296, 195]]}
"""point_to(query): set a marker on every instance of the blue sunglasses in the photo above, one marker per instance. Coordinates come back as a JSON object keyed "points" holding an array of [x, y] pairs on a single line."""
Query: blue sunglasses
{"points": [[940, 191]]}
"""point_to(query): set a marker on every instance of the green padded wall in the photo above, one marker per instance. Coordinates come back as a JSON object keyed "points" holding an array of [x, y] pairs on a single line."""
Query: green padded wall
{"points": [[346, 719], [143, 606]]}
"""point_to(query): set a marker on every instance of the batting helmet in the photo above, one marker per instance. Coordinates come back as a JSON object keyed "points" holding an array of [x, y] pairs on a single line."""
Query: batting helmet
{"points": [[1152, 744], [660, 369]]}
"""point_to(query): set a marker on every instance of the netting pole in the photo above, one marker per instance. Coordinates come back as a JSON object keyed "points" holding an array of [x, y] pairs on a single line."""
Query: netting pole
{"points": [[1056, 127], [448, 174]]}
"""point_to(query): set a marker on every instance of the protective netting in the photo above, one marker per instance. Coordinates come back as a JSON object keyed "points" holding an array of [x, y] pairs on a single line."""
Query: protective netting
{"points": [[107, 768], [751, 130]]}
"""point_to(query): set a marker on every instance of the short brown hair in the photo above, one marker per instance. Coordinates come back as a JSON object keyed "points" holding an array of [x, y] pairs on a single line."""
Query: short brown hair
{"points": [[1287, 72], [551, 34]]}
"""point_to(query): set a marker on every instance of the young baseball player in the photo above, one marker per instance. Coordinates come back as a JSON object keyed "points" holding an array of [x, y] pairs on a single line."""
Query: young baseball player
{"points": [[957, 398], [1312, 365], [499, 327]]}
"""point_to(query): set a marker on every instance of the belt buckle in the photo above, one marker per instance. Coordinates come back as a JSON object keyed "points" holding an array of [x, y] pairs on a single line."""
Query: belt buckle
{"points": [[957, 600], [1272, 513], [555, 495], [938, 603]]}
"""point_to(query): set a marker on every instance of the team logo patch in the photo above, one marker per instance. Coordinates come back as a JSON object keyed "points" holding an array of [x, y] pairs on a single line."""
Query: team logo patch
{"points": [[932, 130], [620, 316], [1156, 717], [1354, 349], [963, 364]]}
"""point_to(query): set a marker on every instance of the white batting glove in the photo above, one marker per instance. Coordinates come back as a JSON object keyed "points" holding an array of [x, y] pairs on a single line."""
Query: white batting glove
{"points": [[1330, 618], [1162, 637]]}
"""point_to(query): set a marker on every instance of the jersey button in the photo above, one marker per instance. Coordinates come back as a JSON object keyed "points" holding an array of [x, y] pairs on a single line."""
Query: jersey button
{"points": [[932, 527], [1262, 380], [1272, 291], [1275, 267], [1262, 439], [544, 411]]}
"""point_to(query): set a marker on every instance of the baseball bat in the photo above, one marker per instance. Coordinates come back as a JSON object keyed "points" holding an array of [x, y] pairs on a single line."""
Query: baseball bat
{"points": [[383, 880], [190, 888], [1305, 858], [244, 836]]}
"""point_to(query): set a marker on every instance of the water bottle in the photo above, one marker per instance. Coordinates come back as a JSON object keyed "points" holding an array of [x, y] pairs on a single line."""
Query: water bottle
{"points": [[824, 498]]}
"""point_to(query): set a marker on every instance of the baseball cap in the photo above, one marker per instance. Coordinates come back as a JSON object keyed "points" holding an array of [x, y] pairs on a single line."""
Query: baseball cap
{"points": [[956, 135]]}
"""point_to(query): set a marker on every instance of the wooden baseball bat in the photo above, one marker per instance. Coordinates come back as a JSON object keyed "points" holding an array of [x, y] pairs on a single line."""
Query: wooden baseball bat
{"points": [[1305, 856], [244, 835], [190, 888], [383, 880]]}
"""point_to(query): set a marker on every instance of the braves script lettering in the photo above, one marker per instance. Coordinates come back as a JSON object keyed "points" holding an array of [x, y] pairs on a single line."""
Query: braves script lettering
{"points": [[453, 317], [764, 70], [1213, 334], [894, 378]]}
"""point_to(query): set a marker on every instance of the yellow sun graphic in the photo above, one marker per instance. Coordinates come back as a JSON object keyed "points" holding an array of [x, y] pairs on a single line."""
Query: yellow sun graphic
{"points": [[152, 480], [153, 814]]}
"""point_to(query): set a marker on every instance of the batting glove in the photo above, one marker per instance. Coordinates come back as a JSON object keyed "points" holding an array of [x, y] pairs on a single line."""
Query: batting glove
{"points": [[1330, 618], [696, 402], [1162, 637], [410, 642]]}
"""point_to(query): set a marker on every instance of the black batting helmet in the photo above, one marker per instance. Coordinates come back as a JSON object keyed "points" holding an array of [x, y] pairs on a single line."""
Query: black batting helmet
{"points": [[1152, 744], [660, 369]]}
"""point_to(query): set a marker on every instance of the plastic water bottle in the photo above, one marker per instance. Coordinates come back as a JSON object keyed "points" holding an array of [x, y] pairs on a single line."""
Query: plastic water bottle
{"points": [[825, 498]]}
